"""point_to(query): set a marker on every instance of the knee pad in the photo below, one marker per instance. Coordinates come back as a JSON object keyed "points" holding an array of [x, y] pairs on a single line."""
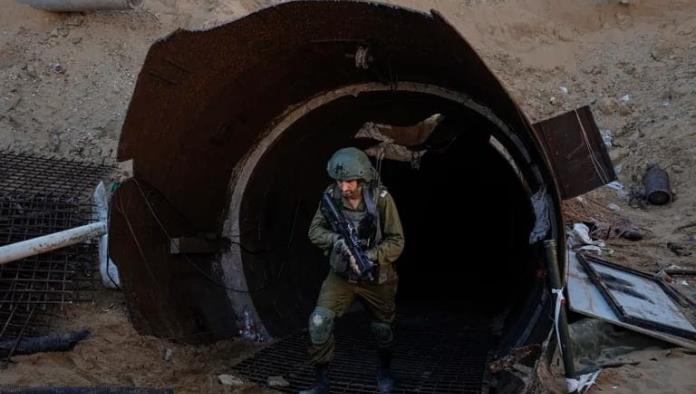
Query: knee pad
{"points": [[382, 332], [321, 323]]}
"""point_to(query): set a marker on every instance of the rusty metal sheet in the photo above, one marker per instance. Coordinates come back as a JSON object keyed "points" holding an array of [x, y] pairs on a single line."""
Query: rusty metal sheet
{"points": [[203, 97], [642, 300], [577, 153], [164, 292]]}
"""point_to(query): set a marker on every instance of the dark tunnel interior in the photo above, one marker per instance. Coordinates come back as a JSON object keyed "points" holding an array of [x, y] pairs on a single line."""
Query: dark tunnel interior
{"points": [[465, 212]]}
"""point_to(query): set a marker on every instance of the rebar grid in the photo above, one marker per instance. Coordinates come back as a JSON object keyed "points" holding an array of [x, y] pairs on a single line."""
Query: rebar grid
{"points": [[30, 175], [40, 196]]}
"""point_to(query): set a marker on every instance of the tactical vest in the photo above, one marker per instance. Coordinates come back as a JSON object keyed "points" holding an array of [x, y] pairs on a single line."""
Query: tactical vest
{"points": [[366, 222]]}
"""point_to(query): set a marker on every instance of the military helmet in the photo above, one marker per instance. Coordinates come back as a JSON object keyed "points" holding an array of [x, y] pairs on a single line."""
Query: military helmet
{"points": [[350, 163]]}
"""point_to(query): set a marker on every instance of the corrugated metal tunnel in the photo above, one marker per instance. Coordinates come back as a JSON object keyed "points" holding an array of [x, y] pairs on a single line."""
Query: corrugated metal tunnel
{"points": [[229, 131]]}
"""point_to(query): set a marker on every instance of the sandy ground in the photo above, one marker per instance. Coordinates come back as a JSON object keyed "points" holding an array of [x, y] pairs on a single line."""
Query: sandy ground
{"points": [[66, 80], [115, 355]]}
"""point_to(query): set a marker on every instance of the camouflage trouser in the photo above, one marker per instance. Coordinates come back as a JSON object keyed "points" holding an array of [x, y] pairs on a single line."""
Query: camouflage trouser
{"points": [[336, 296]]}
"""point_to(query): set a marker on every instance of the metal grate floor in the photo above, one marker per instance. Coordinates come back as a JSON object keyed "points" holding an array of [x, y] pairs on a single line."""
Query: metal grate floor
{"points": [[428, 359]]}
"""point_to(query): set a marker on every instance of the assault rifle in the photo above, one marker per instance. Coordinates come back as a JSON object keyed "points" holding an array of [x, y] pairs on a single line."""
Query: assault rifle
{"points": [[360, 264]]}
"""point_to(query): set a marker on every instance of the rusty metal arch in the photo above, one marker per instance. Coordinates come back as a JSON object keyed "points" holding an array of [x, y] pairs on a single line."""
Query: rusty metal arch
{"points": [[232, 263], [203, 101]]}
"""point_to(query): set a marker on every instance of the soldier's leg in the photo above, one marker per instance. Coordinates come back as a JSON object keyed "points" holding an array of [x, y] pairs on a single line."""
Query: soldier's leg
{"points": [[335, 298], [380, 301]]}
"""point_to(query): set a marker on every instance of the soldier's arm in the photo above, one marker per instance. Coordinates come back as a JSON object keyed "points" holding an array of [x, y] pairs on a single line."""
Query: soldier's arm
{"points": [[392, 244], [320, 233]]}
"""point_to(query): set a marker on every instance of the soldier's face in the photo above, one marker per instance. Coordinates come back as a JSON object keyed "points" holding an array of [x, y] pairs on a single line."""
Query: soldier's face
{"points": [[350, 189]]}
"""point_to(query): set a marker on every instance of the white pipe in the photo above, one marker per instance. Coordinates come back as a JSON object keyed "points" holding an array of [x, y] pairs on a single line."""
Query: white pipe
{"points": [[82, 5], [107, 269], [47, 243]]}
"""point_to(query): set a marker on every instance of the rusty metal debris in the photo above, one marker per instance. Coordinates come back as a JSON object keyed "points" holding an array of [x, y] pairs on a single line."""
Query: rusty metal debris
{"points": [[400, 143], [576, 150], [409, 136], [657, 188]]}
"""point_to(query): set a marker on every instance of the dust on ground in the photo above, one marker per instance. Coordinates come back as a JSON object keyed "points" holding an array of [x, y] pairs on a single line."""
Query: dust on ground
{"points": [[116, 355], [66, 80]]}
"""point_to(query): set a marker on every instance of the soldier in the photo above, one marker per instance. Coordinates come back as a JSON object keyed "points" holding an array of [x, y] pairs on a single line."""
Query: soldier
{"points": [[373, 213]]}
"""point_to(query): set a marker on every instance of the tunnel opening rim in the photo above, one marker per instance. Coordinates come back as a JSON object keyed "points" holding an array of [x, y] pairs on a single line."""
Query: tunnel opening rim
{"points": [[232, 262]]}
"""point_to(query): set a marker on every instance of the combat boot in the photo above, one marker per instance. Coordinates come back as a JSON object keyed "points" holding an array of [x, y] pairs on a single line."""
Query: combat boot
{"points": [[321, 383], [385, 381]]}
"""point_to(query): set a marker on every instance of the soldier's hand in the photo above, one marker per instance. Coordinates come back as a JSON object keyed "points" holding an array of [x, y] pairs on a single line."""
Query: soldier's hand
{"points": [[338, 259], [340, 246], [353, 264], [371, 255]]}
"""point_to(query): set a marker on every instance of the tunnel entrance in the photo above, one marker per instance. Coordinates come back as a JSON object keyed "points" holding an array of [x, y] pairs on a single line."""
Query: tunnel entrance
{"points": [[228, 134], [466, 214], [467, 218], [467, 265]]}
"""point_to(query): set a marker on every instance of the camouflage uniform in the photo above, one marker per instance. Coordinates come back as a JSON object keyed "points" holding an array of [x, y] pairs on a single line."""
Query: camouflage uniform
{"points": [[337, 293], [380, 233]]}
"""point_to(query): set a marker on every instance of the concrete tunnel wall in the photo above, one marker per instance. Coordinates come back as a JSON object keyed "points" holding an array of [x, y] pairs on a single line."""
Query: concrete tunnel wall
{"points": [[229, 131]]}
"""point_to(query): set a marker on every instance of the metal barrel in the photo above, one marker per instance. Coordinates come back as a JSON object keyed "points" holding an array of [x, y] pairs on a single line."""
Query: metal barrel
{"points": [[657, 189]]}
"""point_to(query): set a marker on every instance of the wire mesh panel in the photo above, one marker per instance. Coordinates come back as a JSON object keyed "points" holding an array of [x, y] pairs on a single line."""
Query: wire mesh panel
{"points": [[427, 359], [30, 174], [40, 196]]}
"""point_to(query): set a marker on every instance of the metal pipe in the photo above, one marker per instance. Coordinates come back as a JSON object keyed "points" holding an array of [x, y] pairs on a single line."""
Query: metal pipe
{"points": [[555, 279], [47, 243], [82, 5], [657, 189]]}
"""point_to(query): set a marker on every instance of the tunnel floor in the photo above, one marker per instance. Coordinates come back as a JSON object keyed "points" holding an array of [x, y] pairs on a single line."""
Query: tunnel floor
{"points": [[435, 353]]}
